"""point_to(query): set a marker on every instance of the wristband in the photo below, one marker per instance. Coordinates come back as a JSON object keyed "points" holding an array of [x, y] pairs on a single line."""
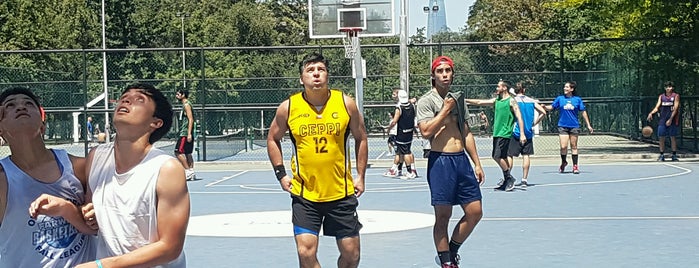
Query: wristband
{"points": [[280, 172], [99, 263]]}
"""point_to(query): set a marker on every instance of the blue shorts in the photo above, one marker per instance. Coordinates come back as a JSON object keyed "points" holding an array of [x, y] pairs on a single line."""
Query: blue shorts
{"points": [[451, 179], [665, 131]]}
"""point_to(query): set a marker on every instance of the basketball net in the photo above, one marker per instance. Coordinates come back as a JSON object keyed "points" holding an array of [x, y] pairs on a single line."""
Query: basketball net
{"points": [[350, 41]]}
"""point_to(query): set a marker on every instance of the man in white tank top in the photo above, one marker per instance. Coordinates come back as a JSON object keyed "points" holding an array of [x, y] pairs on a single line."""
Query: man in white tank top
{"points": [[49, 183], [132, 177]]}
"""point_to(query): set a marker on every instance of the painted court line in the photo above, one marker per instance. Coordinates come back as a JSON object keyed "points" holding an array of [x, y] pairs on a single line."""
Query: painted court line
{"points": [[226, 178], [684, 171], [613, 218]]}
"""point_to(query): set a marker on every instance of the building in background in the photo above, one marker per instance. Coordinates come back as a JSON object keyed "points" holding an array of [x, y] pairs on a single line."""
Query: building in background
{"points": [[436, 17]]}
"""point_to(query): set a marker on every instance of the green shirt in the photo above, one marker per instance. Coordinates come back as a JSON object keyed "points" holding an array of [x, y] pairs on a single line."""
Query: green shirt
{"points": [[184, 120], [504, 120]]}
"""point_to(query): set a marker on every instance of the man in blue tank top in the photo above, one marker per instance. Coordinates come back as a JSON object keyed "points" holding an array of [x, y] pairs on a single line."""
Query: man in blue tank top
{"points": [[49, 183]]}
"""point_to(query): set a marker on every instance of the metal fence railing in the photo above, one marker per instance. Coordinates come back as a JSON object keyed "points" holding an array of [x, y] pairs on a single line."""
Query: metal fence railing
{"points": [[235, 91]]}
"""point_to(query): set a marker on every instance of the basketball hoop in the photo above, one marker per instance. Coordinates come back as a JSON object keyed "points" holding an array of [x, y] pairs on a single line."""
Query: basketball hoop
{"points": [[351, 41]]}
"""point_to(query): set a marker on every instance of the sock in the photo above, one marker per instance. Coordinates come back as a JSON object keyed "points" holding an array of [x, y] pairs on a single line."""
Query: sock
{"points": [[575, 159], [444, 257], [563, 159], [408, 168], [506, 173], [674, 153], [662, 153], [454, 247], [400, 166]]}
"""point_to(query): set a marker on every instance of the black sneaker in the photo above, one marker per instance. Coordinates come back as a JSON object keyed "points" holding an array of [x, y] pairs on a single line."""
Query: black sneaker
{"points": [[501, 186], [501, 182], [674, 158], [522, 184], [510, 184], [661, 157], [454, 261]]}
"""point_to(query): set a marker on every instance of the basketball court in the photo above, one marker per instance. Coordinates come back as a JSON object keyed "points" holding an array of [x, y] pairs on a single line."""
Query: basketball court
{"points": [[612, 214]]}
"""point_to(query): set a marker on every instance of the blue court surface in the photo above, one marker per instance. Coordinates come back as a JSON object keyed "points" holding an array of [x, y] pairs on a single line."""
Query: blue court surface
{"points": [[612, 214]]}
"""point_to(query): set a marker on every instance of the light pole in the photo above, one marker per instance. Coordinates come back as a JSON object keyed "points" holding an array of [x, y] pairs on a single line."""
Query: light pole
{"points": [[104, 74], [182, 16]]}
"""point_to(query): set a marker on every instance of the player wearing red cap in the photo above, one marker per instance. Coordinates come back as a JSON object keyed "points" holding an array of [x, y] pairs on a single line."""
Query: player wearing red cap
{"points": [[450, 176]]}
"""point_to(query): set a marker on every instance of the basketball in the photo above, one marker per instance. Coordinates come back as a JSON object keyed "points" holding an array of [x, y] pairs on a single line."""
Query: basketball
{"points": [[647, 131]]}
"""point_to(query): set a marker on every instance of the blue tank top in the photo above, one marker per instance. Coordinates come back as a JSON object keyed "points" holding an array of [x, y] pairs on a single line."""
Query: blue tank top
{"points": [[45, 241], [526, 107]]}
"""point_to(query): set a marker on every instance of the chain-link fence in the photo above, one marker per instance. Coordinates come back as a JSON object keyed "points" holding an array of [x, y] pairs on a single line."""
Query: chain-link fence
{"points": [[235, 91]]}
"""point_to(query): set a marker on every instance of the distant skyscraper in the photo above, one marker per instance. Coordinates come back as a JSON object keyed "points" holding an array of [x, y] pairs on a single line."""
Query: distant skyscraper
{"points": [[436, 17]]}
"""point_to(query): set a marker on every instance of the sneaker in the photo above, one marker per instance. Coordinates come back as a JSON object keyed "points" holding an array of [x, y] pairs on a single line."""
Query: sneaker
{"points": [[411, 175], [575, 169], [391, 173], [501, 185], [454, 262], [661, 157], [522, 184], [510, 184], [562, 168], [501, 182], [674, 158], [190, 176]]}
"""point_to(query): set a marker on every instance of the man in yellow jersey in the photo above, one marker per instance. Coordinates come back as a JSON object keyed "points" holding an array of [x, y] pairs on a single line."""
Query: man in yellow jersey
{"points": [[451, 178], [323, 192]]}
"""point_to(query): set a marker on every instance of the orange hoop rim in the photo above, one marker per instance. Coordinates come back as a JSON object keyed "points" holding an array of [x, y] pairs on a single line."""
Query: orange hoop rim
{"points": [[351, 31]]}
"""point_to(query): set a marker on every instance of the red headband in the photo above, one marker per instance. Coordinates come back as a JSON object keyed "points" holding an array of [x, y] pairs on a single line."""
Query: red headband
{"points": [[440, 60]]}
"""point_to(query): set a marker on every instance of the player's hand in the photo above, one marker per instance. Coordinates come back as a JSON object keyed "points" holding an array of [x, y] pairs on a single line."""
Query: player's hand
{"points": [[189, 138], [48, 205], [449, 104], [650, 117], [358, 186], [88, 211], [286, 183], [591, 129], [480, 176], [522, 139], [668, 122]]}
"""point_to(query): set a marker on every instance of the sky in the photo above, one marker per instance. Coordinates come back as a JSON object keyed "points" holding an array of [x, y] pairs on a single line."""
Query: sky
{"points": [[457, 13]]}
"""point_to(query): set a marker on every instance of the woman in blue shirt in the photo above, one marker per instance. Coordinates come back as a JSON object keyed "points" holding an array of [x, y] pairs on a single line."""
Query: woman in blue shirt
{"points": [[568, 106]]}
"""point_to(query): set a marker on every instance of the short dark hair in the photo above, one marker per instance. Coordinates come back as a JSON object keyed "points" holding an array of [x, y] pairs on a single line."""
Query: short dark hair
{"points": [[669, 84], [184, 92], [19, 90], [163, 108], [519, 88], [313, 58], [508, 84]]}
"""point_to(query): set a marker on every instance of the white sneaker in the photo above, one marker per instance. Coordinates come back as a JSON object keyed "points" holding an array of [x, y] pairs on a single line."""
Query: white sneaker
{"points": [[411, 175], [391, 173], [189, 174]]}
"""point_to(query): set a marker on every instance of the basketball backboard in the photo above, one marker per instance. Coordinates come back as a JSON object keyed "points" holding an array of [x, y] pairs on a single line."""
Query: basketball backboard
{"points": [[375, 18]]}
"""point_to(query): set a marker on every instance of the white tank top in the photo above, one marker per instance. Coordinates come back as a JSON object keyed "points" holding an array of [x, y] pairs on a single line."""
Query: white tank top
{"points": [[45, 241], [125, 204]]}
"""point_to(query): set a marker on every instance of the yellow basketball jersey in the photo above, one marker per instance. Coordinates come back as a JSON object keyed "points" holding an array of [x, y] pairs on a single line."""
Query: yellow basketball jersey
{"points": [[320, 163]]}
